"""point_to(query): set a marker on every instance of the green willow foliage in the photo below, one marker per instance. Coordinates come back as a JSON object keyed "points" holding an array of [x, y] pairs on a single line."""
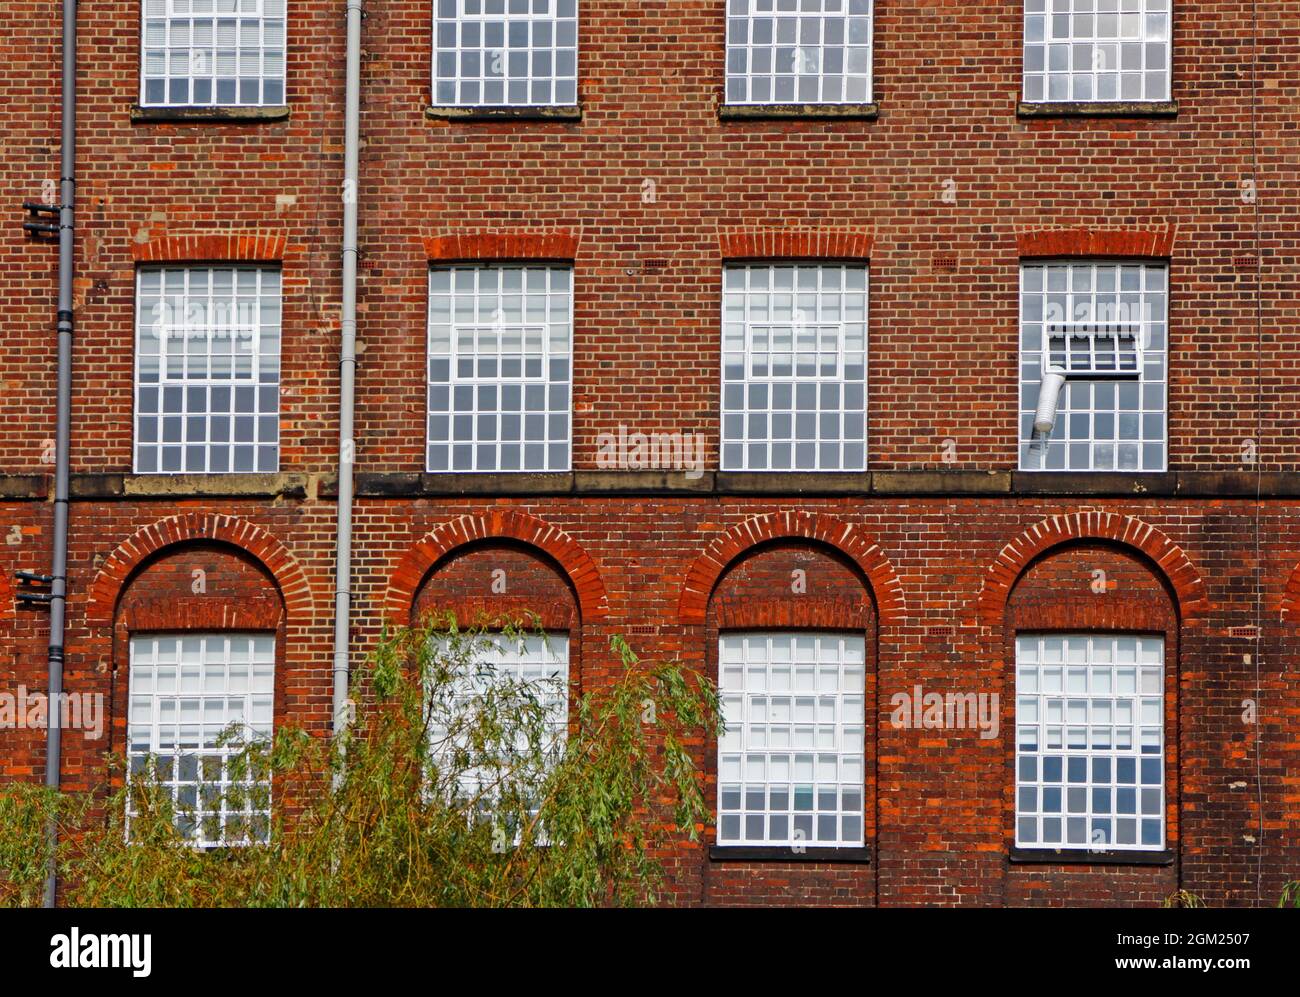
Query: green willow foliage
{"points": [[450, 790], [1183, 898]]}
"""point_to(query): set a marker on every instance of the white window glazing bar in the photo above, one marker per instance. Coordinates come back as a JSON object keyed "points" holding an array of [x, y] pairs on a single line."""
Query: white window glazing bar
{"points": [[207, 370], [187, 694], [1090, 742], [791, 760], [212, 53]]}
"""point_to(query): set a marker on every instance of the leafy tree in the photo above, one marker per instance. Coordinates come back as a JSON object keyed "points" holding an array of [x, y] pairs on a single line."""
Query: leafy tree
{"points": [[453, 787]]}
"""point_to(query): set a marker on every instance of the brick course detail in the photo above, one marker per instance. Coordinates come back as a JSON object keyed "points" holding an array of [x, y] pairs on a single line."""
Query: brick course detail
{"points": [[259, 247], [1115, 243], [559, 245]]}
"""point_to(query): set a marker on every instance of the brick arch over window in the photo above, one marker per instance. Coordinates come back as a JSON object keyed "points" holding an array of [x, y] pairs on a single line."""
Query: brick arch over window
{"points": [[535, 587], [255, 245], [1165, 555], [757, 592], [1152, 243], [794, 244], [126, 560], [1092, 585], [692, 609], [415, 565]]}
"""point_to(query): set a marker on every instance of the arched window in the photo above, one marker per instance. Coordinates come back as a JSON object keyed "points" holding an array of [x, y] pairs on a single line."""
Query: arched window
{"points": [[1092, 639], [1090, 741], [794, 625], [507, 585], [790, 765], [200, 630]]}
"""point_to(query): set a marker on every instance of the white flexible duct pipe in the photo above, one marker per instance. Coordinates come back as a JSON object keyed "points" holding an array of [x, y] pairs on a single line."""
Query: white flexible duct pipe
{"points": [[1049, 400]]}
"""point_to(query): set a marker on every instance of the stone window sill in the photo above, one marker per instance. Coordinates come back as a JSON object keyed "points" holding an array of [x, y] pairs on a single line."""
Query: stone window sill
{"points": [[1081, 856], [1098, 109], [1094, 482], [567, 112], [777, 112], [172, 486], [745, 853], [209, 115]]}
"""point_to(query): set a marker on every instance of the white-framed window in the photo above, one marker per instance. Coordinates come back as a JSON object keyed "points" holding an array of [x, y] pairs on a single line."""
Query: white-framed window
{"points": [[791, 761], [500, 368], [799, 51], [1090, 742], [1102, 326], [794, 367], [1097, 50], [505, 53], [212, 53], [207, 371], [186, 695], [539, 661]]}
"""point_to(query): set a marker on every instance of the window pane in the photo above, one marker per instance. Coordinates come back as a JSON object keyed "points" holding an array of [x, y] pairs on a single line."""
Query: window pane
{"points": [[1092, 772], [500, 368], [195, 54], [186, 695], [799, 51], [790, 763]]}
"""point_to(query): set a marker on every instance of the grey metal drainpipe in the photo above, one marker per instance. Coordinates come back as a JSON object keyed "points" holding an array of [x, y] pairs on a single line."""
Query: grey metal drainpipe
{"points": [[62, 433], [347, 367]]}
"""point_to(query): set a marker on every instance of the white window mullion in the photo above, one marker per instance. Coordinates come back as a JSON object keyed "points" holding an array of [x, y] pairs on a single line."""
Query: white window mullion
{"points": [[500, 368], [1103, 327], [1097, 50], [799, 52], [1090, 742], [185, 692], [791, 758], [189, 395], [790, 410], [201, 53], [540, 662], [505, 53]]}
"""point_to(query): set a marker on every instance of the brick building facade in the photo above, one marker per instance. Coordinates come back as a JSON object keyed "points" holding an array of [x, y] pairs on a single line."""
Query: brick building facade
{"points": [[943, 549]]}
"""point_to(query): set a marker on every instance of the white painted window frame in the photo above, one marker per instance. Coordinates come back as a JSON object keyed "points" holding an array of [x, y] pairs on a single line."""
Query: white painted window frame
{"points": [[776, 690], [1074, 708], [743, 318], [802, 59], [540, 661], [185, 691], [449, 341], [1097, 67], [170, 322], [472, 17], [1150, 303], [242, 31]]}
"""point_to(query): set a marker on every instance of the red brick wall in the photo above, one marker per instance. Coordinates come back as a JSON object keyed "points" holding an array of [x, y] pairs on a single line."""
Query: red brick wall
{"points": [[943, 384], [947, 82]]}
